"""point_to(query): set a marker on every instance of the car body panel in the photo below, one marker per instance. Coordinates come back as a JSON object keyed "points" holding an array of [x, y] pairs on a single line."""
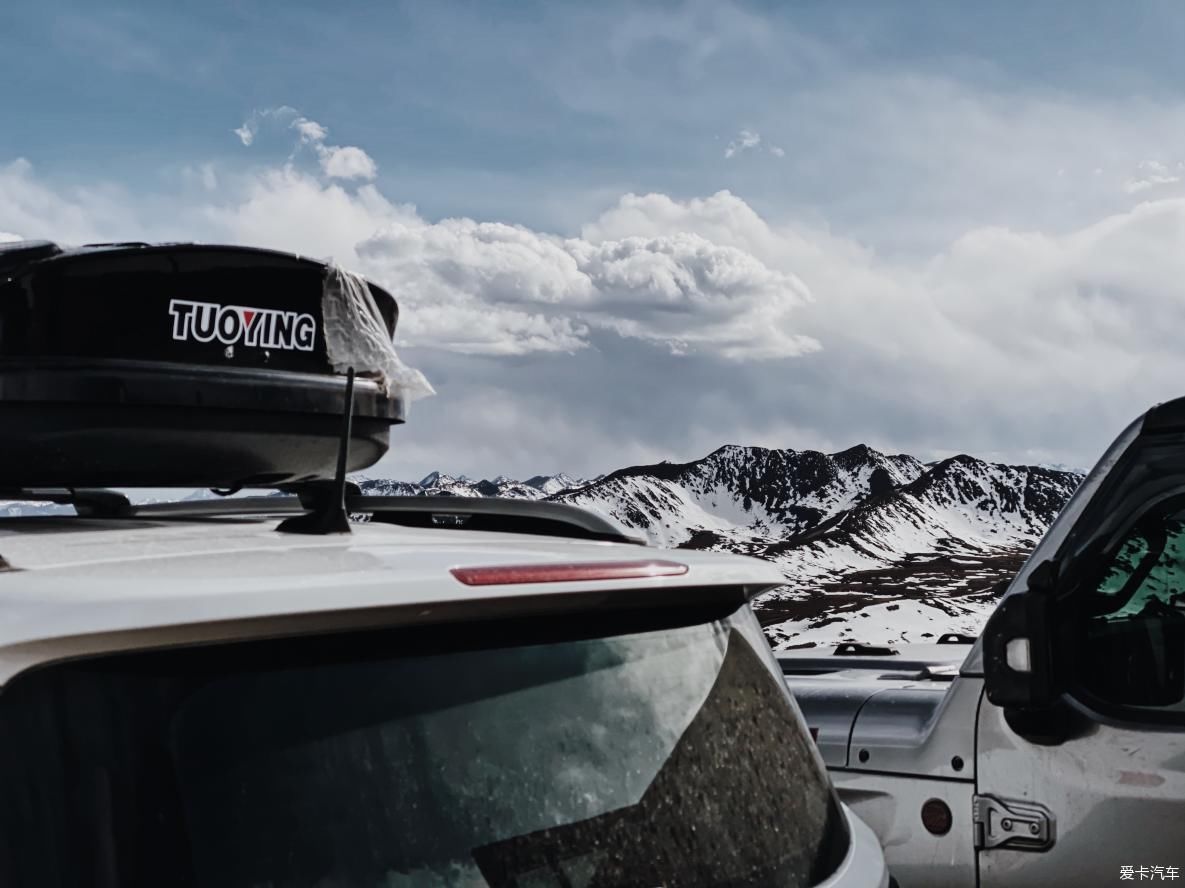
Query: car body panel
{"points": [[1116, 794], [75, 587], [864, 864], [900, 714], [923, 731], [891, 807]]}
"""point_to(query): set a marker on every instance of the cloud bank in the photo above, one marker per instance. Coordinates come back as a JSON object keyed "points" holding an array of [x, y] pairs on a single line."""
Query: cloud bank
{"points": [[668, 326]]}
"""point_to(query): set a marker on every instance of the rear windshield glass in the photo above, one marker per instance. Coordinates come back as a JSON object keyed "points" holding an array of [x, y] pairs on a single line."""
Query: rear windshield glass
{"points": [[662, 757]]}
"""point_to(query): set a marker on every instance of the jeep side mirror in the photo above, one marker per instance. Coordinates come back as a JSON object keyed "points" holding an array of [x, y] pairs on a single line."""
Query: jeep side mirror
{"points": [[1017, 646]]}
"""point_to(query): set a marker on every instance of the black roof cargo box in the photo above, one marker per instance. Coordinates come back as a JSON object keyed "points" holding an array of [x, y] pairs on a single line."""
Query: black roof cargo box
{"points": [[180, 365]]}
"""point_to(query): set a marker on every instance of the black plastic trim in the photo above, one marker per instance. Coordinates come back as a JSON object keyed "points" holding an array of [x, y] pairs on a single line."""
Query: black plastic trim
{"points": [[489, 514], [496, 514]]}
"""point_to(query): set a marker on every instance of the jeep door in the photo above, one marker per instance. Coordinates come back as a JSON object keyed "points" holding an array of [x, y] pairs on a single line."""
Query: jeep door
{"points": [[1089, 787]]}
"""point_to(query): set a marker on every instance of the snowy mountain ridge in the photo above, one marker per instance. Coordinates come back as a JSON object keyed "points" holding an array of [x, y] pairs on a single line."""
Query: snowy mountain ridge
{"points": [[875, 547], [440, 484]]}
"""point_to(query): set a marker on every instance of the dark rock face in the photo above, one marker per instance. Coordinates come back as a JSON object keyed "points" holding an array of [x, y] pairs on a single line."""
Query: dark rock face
{"points": [[880, 482]]}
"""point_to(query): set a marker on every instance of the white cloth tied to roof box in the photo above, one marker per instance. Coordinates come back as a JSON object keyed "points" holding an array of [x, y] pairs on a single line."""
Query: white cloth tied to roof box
{"points": [[356, 336]]}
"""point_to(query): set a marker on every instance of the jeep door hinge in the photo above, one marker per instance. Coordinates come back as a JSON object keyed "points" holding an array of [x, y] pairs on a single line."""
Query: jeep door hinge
{"points": [[1007, 823]]}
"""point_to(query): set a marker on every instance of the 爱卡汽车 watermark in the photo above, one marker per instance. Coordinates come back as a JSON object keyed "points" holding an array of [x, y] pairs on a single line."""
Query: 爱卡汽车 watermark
{"points": [[1148, 873]]}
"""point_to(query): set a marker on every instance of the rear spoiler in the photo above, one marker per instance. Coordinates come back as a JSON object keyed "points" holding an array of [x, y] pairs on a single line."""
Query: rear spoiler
{"points": [[492, 514]]}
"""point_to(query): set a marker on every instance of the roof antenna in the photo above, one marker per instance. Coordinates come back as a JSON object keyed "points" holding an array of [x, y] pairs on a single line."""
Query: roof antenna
{"points": [[327, 500]]}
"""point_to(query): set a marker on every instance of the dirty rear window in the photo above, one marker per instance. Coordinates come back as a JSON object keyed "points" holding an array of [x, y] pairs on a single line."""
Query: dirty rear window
{"points": [[480, 758]]}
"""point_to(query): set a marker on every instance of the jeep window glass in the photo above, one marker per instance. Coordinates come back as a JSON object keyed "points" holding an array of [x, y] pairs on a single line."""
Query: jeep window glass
{"points": [[671, 756], [1130, 627]]}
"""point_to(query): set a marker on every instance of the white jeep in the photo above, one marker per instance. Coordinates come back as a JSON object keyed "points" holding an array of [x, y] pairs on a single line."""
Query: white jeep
{"points": [[1052, 750]]}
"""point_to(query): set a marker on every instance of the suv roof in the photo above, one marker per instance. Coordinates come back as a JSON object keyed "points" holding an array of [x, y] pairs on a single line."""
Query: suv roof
{"points": [[79, 586]]}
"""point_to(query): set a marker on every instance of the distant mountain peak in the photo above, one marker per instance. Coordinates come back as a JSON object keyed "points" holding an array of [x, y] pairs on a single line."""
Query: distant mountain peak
{"points": [[858, 452]]}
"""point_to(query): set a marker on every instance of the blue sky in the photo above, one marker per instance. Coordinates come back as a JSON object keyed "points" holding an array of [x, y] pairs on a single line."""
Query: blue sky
{"points": [[945, 227], [535, 112]]}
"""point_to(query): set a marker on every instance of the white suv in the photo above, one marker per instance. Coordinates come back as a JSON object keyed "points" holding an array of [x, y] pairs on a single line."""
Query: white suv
{"points": [[192, 699], [253, 692]]}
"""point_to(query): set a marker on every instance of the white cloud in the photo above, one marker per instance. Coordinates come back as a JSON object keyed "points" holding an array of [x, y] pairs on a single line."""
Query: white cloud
{"points": [[289, 209], [310, 130], [502, 289], [66, 214], [6, 238], [250, 127], [749, 140], [690, 294], [745, 140], [336, 161], [1150, 174], [347, 162], [1006, 341]]}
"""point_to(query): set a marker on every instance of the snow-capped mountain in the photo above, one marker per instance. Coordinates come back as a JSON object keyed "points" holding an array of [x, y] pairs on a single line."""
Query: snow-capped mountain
{"points": [[742, 492], [875, 548], [439, 484]]}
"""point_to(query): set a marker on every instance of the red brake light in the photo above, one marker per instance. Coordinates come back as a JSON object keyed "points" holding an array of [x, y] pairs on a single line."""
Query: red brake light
{"points": [[512, 574]]}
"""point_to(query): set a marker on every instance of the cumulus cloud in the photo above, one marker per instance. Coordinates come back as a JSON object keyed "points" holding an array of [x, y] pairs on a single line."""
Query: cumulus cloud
{"points": [[336, 161], [476, 287], [289, 209], [310, 130], [1007, 336], [689, 294], [346, 162], [503, 289]]}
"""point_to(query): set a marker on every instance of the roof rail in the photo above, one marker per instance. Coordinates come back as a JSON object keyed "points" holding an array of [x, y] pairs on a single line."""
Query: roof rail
{"points": [[228, 506], [492, 513]]}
